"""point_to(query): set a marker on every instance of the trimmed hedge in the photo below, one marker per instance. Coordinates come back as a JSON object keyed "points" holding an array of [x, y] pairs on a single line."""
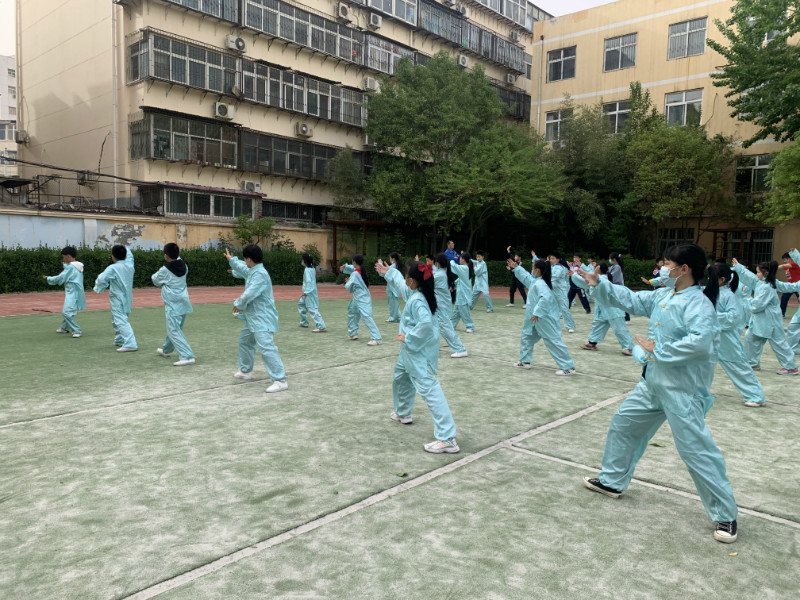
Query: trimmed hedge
{"points": [[21, 269]]}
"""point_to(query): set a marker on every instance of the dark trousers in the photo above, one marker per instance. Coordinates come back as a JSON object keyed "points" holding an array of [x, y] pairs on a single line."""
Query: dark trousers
{"points": [[574, 290], [516, 285], [785, 301]]}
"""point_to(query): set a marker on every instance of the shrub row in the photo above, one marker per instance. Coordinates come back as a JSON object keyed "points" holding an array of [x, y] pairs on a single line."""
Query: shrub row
{"points": [[21, 269]]}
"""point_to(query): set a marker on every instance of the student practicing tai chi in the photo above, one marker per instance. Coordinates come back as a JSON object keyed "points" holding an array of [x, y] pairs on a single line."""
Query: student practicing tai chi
{"points": [[415, 370], [605, 317], [481, 282], [560, 280], [171, 278], [466, 275], [444, 278], [679, 358], [71, 277], [309, 301], [793, 328], [766, 322], [515, 284], [731, 320], [541, 319], [391, 294], [118, 279], [360, 306], [257, 306]]}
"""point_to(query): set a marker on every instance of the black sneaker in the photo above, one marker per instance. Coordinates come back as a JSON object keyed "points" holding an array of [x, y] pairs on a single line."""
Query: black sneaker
{"points": [[726, 532], [593, 483]]}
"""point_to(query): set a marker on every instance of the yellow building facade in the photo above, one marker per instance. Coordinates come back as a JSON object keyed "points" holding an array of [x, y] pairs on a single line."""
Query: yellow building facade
{"points": [[592, 57]]}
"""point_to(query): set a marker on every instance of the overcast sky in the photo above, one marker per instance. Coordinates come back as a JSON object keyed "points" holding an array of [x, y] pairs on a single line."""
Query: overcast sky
{"points": [[7, 45]]}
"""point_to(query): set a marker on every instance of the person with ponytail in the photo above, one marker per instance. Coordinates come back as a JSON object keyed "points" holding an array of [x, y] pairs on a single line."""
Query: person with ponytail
{"points": [[415, 370], [481, 282], [541, 318], [731, 320], [444, 279], [391, 294], [559, 272], [766, 322], [605, 317], [679, 358], [466, 277], [360, 306], [309, 301], [616, 276]]}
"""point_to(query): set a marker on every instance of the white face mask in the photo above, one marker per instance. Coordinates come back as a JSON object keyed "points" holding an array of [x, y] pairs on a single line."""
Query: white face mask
{"points": [[664, 275]]}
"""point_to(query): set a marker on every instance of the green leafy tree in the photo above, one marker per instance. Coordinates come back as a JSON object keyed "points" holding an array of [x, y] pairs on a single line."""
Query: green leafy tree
{"points": [[761, 71], [782, 202], [253, 231], [346, 180]]}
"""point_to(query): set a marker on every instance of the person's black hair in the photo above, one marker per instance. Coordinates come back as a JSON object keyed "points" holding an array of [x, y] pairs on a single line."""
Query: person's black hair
{"points": [[694, 257], [557, 254], [396, 257], [430, 257], [578, 254], [603, 268], [69, 251], [307, 260], [518, 255], [254, 253], [618, 257], [770, 268], [720, 261], [480, 253], [442, 261], [468, 259], [544, 269], [426, 286], [359, 260], [172, 250], [119, 252], [785, 255], [723, 270], [563, 263]]}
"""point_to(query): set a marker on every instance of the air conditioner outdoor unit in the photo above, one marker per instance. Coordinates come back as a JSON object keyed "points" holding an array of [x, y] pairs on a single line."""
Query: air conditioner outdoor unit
{"points": [[86, 178], [375, 21], [464, 11], [21, 136], [224, 111], [303, 130], [515, 36], [371, 84], [251, 186], [235, 43], [462, 61], [510, 79], [343, 12]]}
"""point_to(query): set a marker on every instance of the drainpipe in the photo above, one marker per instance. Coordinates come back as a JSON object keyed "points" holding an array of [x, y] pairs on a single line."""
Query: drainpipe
{"points": [[539, 95], [114, 95]]}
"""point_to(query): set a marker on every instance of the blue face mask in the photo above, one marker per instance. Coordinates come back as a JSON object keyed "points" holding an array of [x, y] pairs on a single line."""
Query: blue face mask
{"points": [[663, 274]]}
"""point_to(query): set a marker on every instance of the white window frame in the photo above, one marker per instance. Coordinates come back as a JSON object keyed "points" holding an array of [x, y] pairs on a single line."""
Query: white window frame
{"points": [[687, 98], [552, 59], [619, 45], [553, 121], [238, 204], [614, 112], [756, 165], [682, 35]]}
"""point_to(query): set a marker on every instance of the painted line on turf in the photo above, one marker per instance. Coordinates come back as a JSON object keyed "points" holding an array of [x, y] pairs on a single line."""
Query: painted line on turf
{"points": [[222, 562], [655, 486]]}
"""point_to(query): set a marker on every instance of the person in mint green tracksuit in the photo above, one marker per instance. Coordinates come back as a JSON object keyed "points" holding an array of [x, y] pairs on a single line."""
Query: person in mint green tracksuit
{"points": [[360, 306], [415, 370], [443, 278], [793, 329], [481, 282], [465, 272], [257, 306], [171, 278], [605, 317], [731, 354], [560, 281], [541, 318], [392, 296], [71, 277], [766, 322], [309, 301], [679, 358], [118, 280]]}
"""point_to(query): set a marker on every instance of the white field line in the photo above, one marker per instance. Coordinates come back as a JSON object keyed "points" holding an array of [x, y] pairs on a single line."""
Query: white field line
{"points": [[234, 557], [655, 486]]}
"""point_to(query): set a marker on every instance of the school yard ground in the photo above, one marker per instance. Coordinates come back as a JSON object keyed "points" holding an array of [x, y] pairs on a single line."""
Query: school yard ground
{"points": [[125, 477]]}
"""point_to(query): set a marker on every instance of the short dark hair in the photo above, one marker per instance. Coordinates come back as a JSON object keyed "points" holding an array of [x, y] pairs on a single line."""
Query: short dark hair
{"points": [[578, 254], [119, 252], [69, 251], [480, 253], [517, 254], [254, 253], [785, 255], [172, 250]]}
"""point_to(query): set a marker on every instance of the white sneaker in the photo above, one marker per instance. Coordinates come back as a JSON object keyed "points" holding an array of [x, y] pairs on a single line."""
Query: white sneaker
{"points": [[374, 343], [510, 305], [752, 404], [160, 352], [470, 331], [565, 372], [522, 365], [242, 375], [76, 335], [489, 311], [183, 363], [59, 330], [319, 330], [442, 446], [124, 349], [352, 337], [278, 386], [570, 331], [407, 420], [459, 354]]}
